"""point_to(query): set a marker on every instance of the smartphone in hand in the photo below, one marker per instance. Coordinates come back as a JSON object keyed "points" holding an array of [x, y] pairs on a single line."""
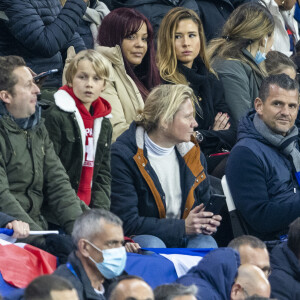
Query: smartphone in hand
{"points": [[215, 203], [40, 76]]}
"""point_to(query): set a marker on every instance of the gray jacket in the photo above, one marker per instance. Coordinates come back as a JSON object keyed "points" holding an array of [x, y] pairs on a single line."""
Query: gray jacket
{"points": [[241, 84]]}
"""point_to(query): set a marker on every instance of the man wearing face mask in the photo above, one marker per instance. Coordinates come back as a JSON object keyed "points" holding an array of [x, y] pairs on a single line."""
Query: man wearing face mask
{"points": [[98, 254]]}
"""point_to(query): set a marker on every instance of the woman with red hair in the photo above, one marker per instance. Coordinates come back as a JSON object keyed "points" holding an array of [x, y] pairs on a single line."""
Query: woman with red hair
{"points": [[126, 40]]}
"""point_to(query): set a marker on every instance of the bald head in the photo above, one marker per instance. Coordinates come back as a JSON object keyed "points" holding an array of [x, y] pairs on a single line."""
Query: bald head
{"points": [[132, 289], [251, 280]]}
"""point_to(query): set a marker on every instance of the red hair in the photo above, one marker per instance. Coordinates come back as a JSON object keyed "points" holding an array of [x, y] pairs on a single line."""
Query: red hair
{"points": [[121, 23]]}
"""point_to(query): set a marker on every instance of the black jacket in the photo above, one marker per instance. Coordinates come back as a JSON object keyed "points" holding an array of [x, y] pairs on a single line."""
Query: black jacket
{"points": [[41, 31], [155, 10], [75, 273], [209, 90]]}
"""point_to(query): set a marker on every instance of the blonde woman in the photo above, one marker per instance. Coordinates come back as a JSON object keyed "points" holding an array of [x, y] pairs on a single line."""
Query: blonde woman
{"points": [[159, 178], [182, 59], [238, 55]]}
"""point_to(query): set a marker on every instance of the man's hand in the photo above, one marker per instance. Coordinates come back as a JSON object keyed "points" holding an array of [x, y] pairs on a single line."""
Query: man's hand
{"points": [[214, 223], [199, 221], [221, 122], [21, 229], [132, 247]]}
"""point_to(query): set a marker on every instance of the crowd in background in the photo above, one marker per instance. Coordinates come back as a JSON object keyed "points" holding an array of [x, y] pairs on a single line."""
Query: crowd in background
{"points": [[147, 106]]}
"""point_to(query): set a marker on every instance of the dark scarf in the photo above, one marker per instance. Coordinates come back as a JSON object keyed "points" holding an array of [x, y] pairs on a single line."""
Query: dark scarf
{"points": [[285, 144], [24, 123]]}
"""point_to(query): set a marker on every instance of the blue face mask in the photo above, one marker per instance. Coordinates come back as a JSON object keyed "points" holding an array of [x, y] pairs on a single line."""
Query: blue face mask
{"points": [[114, 261], [260, 57]]}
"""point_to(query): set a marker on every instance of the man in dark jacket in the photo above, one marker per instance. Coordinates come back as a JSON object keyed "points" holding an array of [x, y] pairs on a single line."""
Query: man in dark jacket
{"points": [[41, 31], [219, 276], [98, 255], [33, 180], [264, 165], [285, 262]]}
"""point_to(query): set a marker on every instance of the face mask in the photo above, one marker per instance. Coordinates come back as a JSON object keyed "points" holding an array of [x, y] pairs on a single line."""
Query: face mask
{"points": [[114, 261], [260, 57]]}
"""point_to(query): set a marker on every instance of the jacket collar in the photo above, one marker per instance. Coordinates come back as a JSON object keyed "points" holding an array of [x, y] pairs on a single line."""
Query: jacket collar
{"points": [[88, 290], [113, 54], [183, 148]]}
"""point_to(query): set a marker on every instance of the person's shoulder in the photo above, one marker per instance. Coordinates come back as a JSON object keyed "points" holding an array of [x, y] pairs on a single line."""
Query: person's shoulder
{"points": [[229, 66], [55, 115], [112, 54], [126, 145]]}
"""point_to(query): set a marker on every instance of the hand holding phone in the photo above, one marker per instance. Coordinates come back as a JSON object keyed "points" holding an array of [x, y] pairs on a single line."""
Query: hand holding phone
{"points": [[43, 75], [215, 203]]}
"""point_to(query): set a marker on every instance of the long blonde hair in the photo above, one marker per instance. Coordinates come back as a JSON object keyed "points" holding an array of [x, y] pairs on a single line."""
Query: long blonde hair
{"points": [[166, 53], [247, 24]]}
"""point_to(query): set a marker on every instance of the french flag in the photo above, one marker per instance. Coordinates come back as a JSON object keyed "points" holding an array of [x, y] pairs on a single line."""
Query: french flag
{"points": [[20, 263], [165, 265]]}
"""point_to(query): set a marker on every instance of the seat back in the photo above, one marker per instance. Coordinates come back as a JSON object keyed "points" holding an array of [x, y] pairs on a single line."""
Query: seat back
{"points": [[238, 225]]}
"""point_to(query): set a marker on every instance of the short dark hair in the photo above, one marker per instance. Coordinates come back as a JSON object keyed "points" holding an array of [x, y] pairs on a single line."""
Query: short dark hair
{"points": [[250, 240], [7, 65], [281, 80], [111, 293], [170, 291], [294, 237], [41, 287]]}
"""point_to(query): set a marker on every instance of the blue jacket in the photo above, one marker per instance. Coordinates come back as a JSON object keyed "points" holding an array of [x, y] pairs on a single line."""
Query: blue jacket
{"points": [[41, 31], [214, 275], [262, 183], [285, 276], [137, 196]]}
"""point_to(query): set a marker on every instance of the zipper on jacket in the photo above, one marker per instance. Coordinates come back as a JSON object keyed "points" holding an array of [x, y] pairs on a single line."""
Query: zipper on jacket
{"points": [[28, 141]]}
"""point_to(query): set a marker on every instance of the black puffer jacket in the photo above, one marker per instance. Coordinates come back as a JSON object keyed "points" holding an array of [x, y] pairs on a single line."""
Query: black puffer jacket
{"points": [[155, 10], [41, 31]]}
